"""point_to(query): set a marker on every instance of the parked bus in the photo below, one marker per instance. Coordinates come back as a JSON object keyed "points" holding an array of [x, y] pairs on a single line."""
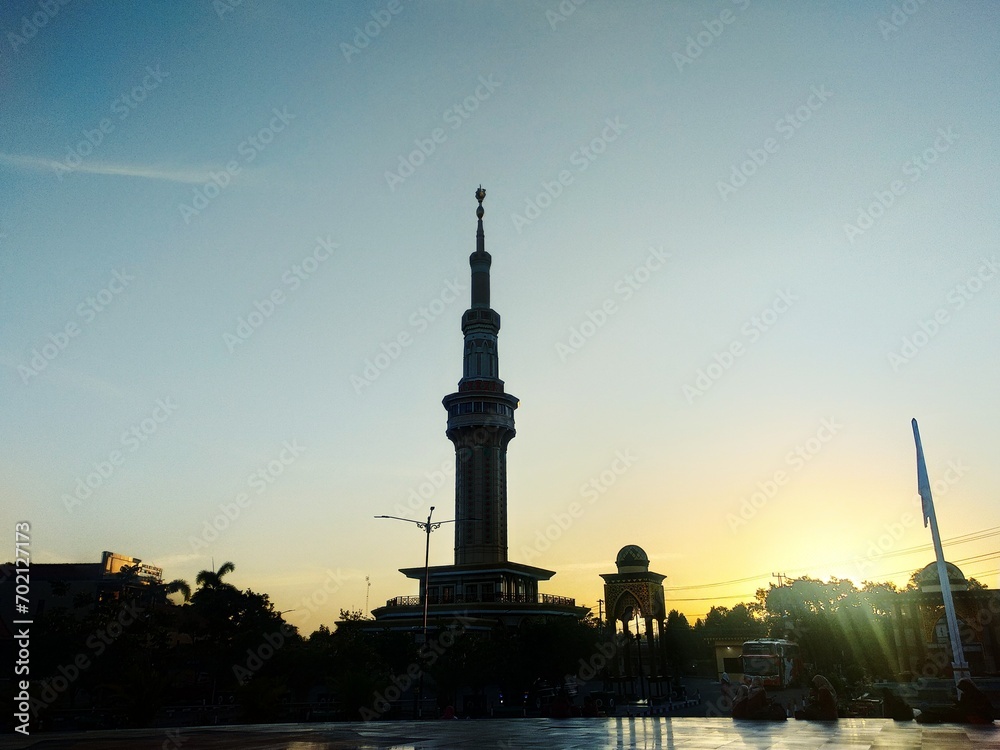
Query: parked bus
{"points": [[774, 660]]}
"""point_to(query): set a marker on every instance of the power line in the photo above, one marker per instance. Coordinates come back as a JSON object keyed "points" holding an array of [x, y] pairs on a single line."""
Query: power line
{"points": [[972, 536], [748, 579], [951, 542], [963, 560], [711, 598], [744, 597]]}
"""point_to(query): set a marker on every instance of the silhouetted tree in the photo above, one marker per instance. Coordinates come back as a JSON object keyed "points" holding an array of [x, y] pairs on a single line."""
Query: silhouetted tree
{"points": [[679, 643], [212, 579], [844, 632]]}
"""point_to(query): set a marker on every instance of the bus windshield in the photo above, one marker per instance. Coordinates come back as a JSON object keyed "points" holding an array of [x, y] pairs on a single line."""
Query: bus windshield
{"points": [[760, 666], [775, 662]]}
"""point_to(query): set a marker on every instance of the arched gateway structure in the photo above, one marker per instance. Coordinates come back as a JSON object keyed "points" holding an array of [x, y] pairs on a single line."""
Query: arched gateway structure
{"points": [[483, 587], [633, 592]]}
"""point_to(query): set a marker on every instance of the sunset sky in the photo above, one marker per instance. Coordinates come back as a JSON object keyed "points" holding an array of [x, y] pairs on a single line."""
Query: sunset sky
{"points": [[736, 247]]}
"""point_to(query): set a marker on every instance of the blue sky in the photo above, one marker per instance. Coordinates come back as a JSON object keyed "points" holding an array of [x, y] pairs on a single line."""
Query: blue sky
{"points": [[737, 246]]}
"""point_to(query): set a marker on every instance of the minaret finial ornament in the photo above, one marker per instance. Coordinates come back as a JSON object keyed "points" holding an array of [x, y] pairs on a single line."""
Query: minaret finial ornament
{"points": [[481, 237]]}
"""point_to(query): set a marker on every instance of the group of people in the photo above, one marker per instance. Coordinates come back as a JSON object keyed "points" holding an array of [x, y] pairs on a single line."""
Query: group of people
{"points": [[972, 707], [750, 701], [822, 703]]}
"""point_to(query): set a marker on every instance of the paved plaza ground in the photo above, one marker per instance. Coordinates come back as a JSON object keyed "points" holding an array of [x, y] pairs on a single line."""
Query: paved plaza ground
{"points": [[538, 734]]}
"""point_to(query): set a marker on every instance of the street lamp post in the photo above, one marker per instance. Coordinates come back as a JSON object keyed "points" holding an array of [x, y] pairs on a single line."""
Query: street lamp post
{"points": [[638, 652], [427, 526]]}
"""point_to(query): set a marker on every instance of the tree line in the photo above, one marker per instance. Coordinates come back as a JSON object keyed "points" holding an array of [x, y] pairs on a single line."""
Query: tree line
{"points": [[137, 657]]}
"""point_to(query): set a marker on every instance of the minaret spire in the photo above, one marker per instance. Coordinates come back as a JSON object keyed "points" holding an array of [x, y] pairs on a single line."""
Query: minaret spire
{"points": [[480, 260]]}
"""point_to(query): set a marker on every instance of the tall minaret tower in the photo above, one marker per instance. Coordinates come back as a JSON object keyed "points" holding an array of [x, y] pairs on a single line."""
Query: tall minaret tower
{"points": [[480, 424], [482, 584]]}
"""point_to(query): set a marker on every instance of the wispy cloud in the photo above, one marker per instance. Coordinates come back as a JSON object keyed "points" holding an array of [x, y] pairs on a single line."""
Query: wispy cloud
{"points": [[607, 567], [64, 377], [173, 561], [40, 164]]}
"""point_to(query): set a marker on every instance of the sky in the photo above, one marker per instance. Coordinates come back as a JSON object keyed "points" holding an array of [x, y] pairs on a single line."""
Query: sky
{"points": [[736, 247]]}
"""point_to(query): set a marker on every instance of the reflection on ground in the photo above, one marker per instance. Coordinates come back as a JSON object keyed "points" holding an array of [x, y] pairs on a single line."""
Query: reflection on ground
{"points": [[537, 734]]}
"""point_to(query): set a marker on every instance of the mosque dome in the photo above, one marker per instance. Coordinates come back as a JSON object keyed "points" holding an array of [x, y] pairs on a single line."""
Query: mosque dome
{"points": [[927, 578], [632, 559]]}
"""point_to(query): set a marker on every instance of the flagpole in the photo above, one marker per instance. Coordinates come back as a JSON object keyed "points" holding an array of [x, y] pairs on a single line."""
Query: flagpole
{"points": [[959, 666]]}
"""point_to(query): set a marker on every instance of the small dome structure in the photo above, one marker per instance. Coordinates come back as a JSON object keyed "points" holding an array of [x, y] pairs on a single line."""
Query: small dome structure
{"points": [[927, 578], [632, 559], [635, 592]]}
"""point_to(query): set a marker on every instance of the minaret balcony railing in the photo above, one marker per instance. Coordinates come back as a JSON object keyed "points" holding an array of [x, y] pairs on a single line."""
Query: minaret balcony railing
{"points": [[487, 598], [480, 407], [491, 386]]}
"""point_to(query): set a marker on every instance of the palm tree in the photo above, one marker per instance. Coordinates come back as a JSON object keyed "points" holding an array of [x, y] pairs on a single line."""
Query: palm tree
{"points": [[212, 579], [217, 607], [176, 586], [130, 584], [125, 584], [216, 599]]}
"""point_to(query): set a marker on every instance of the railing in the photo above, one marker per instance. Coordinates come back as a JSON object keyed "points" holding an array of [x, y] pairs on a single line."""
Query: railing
{"points": [[550, 599], [561, 600]]}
